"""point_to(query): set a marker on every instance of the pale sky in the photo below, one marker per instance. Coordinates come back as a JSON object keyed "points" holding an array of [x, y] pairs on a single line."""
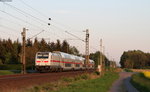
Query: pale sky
{"points": [[122, 24]]}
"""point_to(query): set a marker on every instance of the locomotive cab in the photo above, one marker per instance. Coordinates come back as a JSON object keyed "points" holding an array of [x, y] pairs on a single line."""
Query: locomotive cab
{"points": [[42, 61]]}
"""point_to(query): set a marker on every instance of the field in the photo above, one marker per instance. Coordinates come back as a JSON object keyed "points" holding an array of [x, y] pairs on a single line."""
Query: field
{"points": [[141, 82], [147, 74], [83, 83], [140, 70]]}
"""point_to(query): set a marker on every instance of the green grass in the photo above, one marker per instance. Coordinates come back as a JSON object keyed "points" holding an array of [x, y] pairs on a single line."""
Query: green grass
{"points": [[127, 70], [5, 72], [140, 82], [96, 85], [82, 83]]}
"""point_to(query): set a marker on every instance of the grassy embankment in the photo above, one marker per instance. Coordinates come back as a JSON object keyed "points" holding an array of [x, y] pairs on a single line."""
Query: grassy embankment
{"points": [[10, 69], [7, 69], [141, 81], [5, 72], [83, 83]]}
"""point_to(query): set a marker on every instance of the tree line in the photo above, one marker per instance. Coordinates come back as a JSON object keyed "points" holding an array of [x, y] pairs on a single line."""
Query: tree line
{"points": [[135, 59], [96, 57], [10, 51]]}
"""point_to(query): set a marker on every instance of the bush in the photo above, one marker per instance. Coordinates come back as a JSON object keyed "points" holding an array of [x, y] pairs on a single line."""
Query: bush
{"points": [[76, 78], [85, 76], [97, 73], [67, 79], [127, 70]]}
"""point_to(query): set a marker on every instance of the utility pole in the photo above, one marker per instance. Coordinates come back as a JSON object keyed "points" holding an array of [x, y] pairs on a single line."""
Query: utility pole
{"points": [[104, 58], [23, 50], [87, 47], [101, 60]]}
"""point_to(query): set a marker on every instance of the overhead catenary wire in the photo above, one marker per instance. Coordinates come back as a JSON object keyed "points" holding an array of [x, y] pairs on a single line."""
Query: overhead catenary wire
{"points": [[19, 11], [36, 34], [54, 33], [44, 15], [19, 19], [4, 32], [48, 31], [10, 21], [25, 13], [33, 9], [29, 23], [41, 14], [8, 29], [75, 36]]}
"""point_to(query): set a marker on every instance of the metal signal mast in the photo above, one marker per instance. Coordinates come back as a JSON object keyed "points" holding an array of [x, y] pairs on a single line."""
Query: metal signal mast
{"points": [[101, 57], [87, 47], [23, 50], [86, 44]]}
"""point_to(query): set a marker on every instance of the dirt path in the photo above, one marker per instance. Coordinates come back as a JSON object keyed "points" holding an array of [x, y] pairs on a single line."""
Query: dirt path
{"points": [[123, 83]]}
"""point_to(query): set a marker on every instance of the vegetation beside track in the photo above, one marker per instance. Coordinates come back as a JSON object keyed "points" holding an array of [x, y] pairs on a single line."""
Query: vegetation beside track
{"points": [[127, 70], [10, 67], [6, 72], [10, 72], [82, 83], [141, 82]]}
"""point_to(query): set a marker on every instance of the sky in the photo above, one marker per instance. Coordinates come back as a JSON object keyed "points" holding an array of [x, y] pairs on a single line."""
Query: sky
{"points": [[122, 24]]}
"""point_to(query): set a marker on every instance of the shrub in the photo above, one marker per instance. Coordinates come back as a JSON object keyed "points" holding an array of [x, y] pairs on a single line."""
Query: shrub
{"points": [[67, 79], [97, 73], [127, 70], [76, 78], [85, 76]]}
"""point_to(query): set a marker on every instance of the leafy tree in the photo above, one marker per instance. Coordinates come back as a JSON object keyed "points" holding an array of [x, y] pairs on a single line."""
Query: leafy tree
{"points": [[65, 46], [43, 45], [96, 57], [52, 46], [58, 45], [73, 50], [134, 59]]}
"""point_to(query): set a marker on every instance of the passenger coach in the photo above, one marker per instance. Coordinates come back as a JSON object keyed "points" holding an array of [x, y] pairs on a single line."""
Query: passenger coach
{"points": [[59, 61]]}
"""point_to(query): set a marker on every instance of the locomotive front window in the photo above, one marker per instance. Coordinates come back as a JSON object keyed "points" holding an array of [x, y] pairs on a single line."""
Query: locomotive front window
{"points": [[42, 55]]}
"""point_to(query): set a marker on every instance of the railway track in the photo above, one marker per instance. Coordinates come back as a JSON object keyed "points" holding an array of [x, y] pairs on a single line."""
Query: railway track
{"points": [[13, 82]]}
